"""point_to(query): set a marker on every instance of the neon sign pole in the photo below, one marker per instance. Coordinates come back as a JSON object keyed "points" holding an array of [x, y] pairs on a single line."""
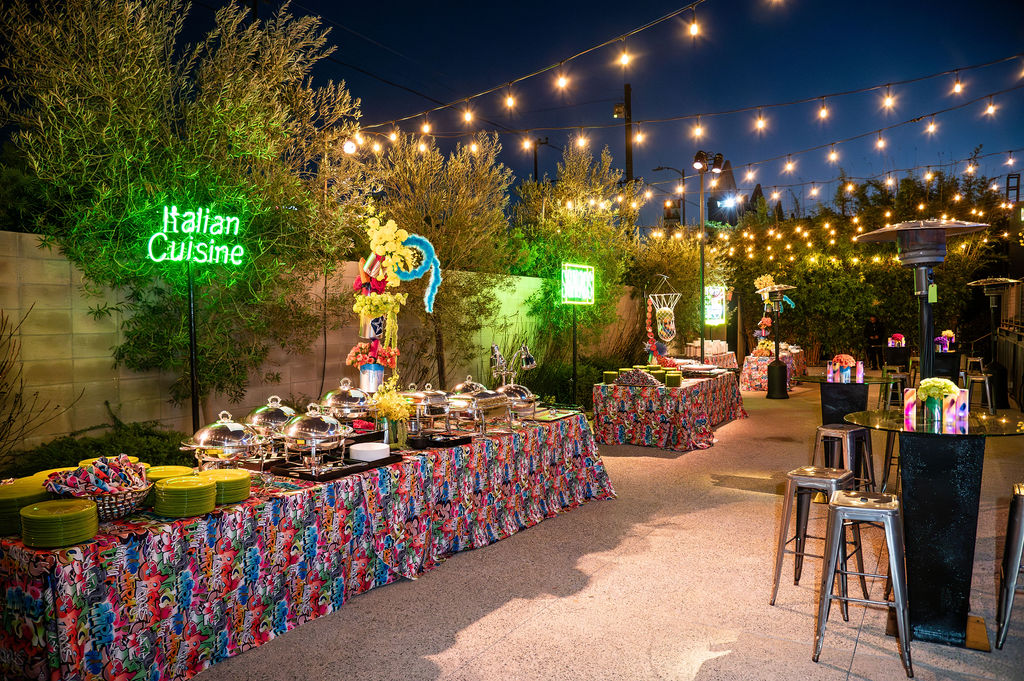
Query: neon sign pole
{"points": [[195, 236], [577, 289]]}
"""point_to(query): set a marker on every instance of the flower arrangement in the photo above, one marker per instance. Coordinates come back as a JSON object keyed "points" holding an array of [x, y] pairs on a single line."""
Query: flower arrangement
{"points": [[897, 340], [390, 404], [948, 333], [379, 304], [936, 388], [386, 243], [764, 349], [764, 281], [372, 353], [844, 361], [765, 322]]}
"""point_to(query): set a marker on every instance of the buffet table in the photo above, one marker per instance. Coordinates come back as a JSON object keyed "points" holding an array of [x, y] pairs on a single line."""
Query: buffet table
{"points": [[725, 360], [164, 599], [669, 418], [754, 375]]}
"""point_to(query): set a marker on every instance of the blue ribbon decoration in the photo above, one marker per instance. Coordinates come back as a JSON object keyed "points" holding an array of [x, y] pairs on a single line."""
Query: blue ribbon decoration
{"points": [[786, 299], [430, 262]]}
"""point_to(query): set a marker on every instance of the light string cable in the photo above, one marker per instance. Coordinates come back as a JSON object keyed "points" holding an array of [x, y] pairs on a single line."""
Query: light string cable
{"points": [[557, 65]]}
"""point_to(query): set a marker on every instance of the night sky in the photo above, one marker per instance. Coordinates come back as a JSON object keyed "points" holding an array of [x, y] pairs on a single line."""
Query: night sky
{"points": [[748, 53]]}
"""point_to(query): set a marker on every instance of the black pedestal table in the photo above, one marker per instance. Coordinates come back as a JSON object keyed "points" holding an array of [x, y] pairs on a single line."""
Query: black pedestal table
{"points": [[941, 490]]}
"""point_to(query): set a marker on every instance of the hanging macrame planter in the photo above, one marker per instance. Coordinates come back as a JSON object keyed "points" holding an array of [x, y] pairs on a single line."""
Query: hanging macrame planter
{"points": [[664, 300]]}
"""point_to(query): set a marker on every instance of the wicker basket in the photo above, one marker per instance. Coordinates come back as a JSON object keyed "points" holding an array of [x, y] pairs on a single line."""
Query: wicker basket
{"points": [[116, 505]]}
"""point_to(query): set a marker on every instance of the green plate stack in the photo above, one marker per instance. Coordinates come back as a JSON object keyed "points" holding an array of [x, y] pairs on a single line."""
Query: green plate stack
{"points": [[14, 497], [233, 485], [185, 496], [673, 380], [624, 371], [54, 524], [157, 473], [659, 374], [610, 376]]}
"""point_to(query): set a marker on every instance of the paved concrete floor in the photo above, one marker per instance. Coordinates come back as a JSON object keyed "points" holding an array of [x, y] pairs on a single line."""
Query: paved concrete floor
{"points": [[669, 581]]}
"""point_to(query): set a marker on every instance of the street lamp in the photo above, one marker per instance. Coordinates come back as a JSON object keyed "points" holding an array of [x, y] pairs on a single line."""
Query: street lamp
{"points": [[700, 164]]}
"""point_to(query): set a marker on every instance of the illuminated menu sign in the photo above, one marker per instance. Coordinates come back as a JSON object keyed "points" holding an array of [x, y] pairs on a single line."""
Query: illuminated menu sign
{"points": [[577, 284], [200, 236]]}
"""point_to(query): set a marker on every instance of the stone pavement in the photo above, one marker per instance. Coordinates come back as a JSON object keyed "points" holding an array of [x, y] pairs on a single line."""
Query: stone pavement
{"points": [[669, 581]]}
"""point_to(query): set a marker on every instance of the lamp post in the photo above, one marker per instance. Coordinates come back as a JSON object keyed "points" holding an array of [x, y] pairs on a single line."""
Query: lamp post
{"points": [[700, 164], [994, 288], [778, 374], [921, 244]]}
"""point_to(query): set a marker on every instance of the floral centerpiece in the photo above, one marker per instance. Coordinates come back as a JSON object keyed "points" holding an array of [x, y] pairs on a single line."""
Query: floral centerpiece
{"points": [[372, 353], [936, 388], [944, 340], [764, 281], [764, 349], [897, 340], [394, 408], [844, 361]]}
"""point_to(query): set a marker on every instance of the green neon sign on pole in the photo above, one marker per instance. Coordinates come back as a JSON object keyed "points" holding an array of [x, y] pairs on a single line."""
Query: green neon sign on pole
{"points": [[714, 305], [577, 289], [196, 236], [577, 284]]}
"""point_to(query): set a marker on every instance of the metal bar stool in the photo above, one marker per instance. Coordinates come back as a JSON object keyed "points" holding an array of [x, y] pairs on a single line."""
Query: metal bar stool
{"points": [[802, 483], [851, 457], [912, 368], [968, 380], [897, 384], [1011, 567], [851, 506], [972, 362]]}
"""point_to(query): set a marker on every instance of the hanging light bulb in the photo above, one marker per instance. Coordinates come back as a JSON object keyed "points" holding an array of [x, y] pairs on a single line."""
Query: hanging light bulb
{"points": [[833, 155], [714, 182], [423, 147], [638, 137], [994, 187], [698, 130], [991, 108], [624, 58], [957, 197], [931, 126], [1009, 158], [889, 101], [581, 141], [970, 169], [393, 136], [957, 85], [850, 187], [425, 128], [510, 101], [527, 143], [679, 188], [349, 147], [358, 138], [823, 110], [928, 176], [648, 194], [376, 147], [880, 142], [562, 82], [814, 190], [750, 174], [760, 123], [789, 164], [474, 147], [694, 28], [889, 181], [776, 195], [920, 206], [467, 116]]}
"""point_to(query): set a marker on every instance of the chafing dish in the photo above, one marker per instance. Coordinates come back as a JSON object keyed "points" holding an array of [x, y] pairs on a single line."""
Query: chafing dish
{"points": [[468, 386], [522, 401], [480, 406], [347, 403], [269, 419], [430, 405], [223, 443], [313, 433]]}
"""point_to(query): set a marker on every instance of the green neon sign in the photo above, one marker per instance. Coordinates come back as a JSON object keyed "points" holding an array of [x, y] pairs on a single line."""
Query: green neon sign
{"points": [[577, 284], [197, 236], [714, 305]]}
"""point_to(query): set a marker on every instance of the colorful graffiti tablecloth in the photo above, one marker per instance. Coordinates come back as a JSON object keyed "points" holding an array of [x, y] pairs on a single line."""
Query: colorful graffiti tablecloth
{"points": [[669, 418], [152, 598], [725, 360], [754, 375]]}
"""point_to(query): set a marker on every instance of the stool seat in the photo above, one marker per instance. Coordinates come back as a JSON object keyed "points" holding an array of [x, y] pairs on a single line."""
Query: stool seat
{"points": [[850, 506], [1010, 580], [819, 477], [851, 456]]}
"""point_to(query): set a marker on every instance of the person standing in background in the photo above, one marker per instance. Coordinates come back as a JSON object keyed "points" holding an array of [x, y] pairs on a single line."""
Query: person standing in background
{"points": [[874, 336]]}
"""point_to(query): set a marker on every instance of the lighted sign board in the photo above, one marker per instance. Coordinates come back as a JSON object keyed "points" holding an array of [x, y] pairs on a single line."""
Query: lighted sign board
{"points": [[198, 236], [714, 305], [577, 284]]}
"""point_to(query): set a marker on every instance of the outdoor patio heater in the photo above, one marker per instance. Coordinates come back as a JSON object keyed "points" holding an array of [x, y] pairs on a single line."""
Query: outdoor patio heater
{"points": [[778, 375], [921, 244], [994, 287]]}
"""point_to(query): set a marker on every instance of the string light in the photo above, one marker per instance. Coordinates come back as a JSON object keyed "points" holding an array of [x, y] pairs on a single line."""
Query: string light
{"points": [[527, 143], [679, 188], [425, 128], [638, 137], [931, 126], [760, 123], [624, 58], [823, 110], [814, 190], [698, 130], [957, 197], [991, 108], [581, 141], [789, 164], [359, 138], [1009, 158], [957, 85], [349, 147], [880, 142], [776, 195], [714, 182], [423, 148], [850, 187], [920, 206], [970, 169], [694, 28], [994, 187], [889, 181], [562, 82], [889, 100], [393, 136], [648, 194], [473, 147], [376, 147], [833, 155], [510, 101], [467, 116], [750, 174], [928, 176]]}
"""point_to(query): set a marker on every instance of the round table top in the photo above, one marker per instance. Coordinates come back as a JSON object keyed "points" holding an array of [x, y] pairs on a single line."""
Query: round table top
{"points": [[820, 378], [1004, 422]]}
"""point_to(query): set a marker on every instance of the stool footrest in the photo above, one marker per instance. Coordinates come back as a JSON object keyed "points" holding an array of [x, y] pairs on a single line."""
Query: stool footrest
{"points": [[865, 601]]}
